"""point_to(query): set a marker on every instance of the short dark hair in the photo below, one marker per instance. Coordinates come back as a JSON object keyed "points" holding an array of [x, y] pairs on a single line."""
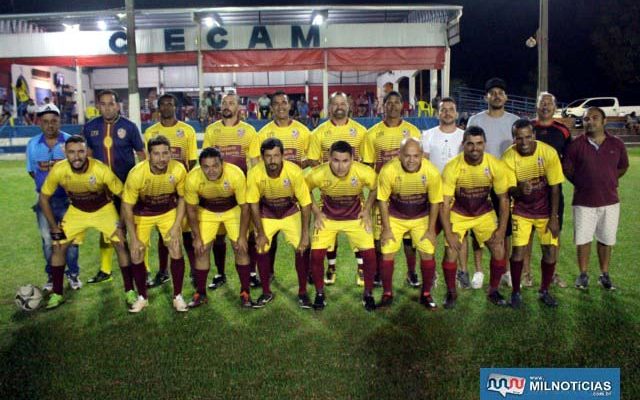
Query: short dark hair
{"points": [[598, 109], [271, 144], [210, 152], [446, 100], [157, 141], [280, 93], [108, 92], [473, 131], [341, 147], [519, 124], [168, 96], [75, 139], [391, 94]]}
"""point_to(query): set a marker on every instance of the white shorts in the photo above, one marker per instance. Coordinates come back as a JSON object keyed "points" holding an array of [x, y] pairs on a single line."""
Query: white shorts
{"points": [[599, 221]]}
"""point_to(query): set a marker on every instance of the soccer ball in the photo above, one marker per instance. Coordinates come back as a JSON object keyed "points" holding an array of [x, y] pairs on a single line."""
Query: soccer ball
{"points": [[28, 298]]}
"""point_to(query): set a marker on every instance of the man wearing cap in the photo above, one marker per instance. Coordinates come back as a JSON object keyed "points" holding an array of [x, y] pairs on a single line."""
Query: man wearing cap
{"points": [[43, 151]]}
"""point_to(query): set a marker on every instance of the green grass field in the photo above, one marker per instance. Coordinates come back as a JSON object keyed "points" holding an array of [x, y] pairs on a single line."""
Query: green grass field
{"points": [[92, 348]]}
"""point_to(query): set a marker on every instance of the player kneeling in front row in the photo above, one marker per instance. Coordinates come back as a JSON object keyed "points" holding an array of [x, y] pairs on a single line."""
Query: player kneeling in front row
{"points": [[341, 182], [536, 175], [215, 195], [467, 181], [409, 198], [89, 184], [279, 200], [153, 197]]}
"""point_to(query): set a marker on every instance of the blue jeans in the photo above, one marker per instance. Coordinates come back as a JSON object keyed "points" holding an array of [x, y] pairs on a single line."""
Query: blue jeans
{"points": [[59, 207]]}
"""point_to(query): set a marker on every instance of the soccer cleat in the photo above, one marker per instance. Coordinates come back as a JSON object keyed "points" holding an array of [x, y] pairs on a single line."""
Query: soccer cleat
{"points": [[463, 279], [197, 300], [377, 280], [179, 304], [139, 305], [331, 275], [450, 300], [559, 282], [217, 282], [47, 287], [505, 279], [385, 301], [412, 279], [369, 303], [360, 277], [245, 300], [55, 300], [496, 298], [478, 280], [527, 280], [160, 279], [516, 300], [100, 277], [303, 301], [318, 302], [582, 281], [428, 302], [546, 298], [605, 282], [263, 300], [254, 281], [130, 297], [74, 282]]}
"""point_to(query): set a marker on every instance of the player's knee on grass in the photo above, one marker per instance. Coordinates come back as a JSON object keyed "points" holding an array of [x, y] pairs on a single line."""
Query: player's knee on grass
{"points": [[497, 251]]}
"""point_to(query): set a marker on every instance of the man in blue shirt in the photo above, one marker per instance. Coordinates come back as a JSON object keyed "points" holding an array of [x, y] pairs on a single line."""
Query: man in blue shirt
{"points": [[43, 151], [115, 141]]}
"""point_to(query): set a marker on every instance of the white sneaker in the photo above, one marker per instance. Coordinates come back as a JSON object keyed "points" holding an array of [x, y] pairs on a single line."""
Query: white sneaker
{"points": [[139, 305], [505, 280], [478, 280], [48, 287], [179, 304], [74, 282]]}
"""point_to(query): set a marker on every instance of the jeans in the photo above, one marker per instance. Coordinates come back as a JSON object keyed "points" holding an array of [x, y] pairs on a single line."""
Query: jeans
{"points": [[59, 207]]}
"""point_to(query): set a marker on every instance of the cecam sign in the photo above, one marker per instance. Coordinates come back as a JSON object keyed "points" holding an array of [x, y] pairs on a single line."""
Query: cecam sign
{"points": [[227, 38]]}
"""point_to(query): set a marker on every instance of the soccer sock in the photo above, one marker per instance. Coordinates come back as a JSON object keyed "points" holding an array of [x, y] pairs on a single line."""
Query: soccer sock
{"points": [[428, 269], [244, 273], [187, 240], [548, 269], [317, 268], [497, 268], [410, 255], [163, 256], [264, 268], [449, 270], [516, 275], [302, 268], [127, 278], [200, 276], [57, 273], [177, 274], [251, 243], [387, 276], [139, 272], [272, 253], [369, 266], [219, 253], [106, 256]]}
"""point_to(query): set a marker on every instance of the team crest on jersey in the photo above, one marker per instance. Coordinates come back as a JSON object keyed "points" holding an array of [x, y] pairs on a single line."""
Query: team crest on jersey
{"points": [[405, 133], [172, 179], [423, 178], [286, 182], [295, 133], [240, 132], [540, 161], [92, 180], [354, 181], [487, 172], [226, 185], [180, 133], [122, 133], [352, 132], [95, 133]]}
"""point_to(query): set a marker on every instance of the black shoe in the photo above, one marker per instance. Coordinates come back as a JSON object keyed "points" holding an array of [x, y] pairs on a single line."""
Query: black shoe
{"points": [[160, 279], [605, 282], [428, 302], [245, 300], [331, 276], [516, 300], [385, 301], [369, 303], [303, 301], [319, 303], [412, 279], [254, 280], [263, 300], [463, 279], [377, 281], [100, 277], [582, 281], [450, 300], [197, 300], [546, 298], [217, 282], [496, 298]]}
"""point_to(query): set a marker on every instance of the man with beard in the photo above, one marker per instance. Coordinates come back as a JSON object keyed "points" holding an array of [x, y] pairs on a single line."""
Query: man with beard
{"points": [[90, 185], [116, 142]]}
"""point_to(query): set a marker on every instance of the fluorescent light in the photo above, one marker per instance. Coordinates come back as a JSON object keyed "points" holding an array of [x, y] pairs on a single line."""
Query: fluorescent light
{"points": [[209, 22], [71, 27], [121, 15], [102, 25], [318, 19]]}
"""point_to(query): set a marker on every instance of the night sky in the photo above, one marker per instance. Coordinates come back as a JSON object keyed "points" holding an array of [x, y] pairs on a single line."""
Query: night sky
{"points": [[492, 41]]}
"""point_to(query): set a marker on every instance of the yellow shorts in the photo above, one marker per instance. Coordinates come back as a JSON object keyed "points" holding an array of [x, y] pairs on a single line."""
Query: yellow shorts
{"points": [[522, 227], [415, 228], [291, 226], [325, 238], [482, 226], [76, 222], [145, 224], [211, 223]]}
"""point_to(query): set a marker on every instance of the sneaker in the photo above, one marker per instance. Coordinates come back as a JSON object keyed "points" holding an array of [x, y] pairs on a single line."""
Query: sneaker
{"points": [[385, 301], [100, 277], [360, 277], [319, 303], [139, 305], [197, 300], [217, 282], [547, 299], [516, 300], [582, 281], [331, 276], [527, 280], [428, 302], [463, 279], [377, 280], [303, 301], [605, 282], [179, 304], [450, 300], [263, 300], [74, 282], [48, 287], [412, 279], [160, 279], [245, 300], [505, 280], [130, 297], [55, 300], [369, 303], [559, 282], [478, 280], [254, 280], [496, 298]]}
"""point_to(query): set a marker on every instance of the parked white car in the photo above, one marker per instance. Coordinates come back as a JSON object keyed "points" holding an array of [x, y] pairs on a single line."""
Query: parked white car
{"points": [[610, 105]]}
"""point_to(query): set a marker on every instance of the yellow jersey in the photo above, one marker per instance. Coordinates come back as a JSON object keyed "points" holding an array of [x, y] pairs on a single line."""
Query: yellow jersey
{"points": [[328, 133], [182, 137], [232, 141], [294, 137], [154, 194], [220, 195], [382, 142]]}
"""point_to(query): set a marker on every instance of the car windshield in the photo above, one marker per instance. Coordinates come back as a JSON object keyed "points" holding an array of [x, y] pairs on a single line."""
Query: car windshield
{"points": [[576, 103]]}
